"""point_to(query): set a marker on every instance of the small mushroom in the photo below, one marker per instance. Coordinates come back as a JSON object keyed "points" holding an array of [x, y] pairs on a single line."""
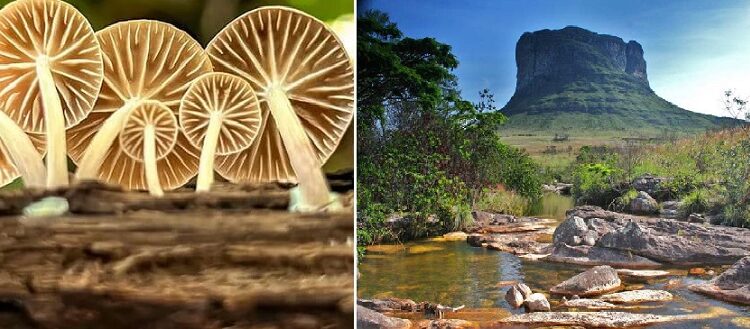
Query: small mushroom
{"points": [[50, 73], [148, 135], [304, 80], [219, 115], [143, 60]]}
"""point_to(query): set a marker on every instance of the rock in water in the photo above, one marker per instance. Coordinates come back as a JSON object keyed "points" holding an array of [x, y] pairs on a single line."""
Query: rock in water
{"points": [[733, 285], [644, 204], [589, 304], [537, 303], [369, 319], [593, 282], [637, 296], [446, 324], [524, 289], [588, 319], [51, 206], [514, 297], [571, 231], [643, 274]]}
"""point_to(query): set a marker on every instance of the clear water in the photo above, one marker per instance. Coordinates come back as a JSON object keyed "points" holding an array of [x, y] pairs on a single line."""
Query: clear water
{"points": [[454, 273]]}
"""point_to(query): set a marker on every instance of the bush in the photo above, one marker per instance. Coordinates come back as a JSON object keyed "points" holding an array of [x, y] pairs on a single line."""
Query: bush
{"points": [[696, 201], [622, 203], [503, 201], [594, 184]]}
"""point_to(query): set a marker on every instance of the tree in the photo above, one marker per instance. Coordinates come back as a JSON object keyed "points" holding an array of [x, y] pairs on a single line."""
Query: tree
{"points": [[735, 106]]}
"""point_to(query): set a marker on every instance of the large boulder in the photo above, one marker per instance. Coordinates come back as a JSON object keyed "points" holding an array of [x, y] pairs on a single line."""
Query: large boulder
{"points": [[680, 243], [369, 319], [655, 239], [593, 282], [650, 184], [589, 256], [644, 204], [733, 285], [571, 231]]}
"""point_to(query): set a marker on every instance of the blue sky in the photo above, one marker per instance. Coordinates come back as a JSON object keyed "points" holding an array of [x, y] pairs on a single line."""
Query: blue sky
{"points": [[694, 49]]}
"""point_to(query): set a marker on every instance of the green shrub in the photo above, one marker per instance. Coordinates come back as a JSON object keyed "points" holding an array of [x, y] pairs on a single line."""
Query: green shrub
{"points": [[503, 202], [622, 203], [594, 184], [697, 201]]}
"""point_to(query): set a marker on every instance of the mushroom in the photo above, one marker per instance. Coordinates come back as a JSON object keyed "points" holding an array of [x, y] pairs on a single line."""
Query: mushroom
{"points": [[143, 60], [148, 135], [30, 166], [304, 80], [50, 72], [219, 115]]}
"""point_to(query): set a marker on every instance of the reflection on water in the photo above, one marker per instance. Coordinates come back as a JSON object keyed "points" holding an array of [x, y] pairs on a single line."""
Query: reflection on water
{"points": [[454, 273], [552, 206]]}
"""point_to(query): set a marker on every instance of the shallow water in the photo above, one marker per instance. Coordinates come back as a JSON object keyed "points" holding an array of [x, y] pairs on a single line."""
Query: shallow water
{"points": [[454, 273]]}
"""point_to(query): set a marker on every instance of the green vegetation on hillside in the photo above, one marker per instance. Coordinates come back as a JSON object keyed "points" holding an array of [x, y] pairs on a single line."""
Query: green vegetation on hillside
{"points": [[709, 173], [424, 153]]}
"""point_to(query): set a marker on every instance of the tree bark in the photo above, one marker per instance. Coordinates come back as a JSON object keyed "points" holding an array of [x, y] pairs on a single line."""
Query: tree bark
{"points": [[223, 259]]}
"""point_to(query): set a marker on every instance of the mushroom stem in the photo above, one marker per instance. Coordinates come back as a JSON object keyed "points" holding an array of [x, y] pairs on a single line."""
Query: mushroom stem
{"points": [[57, 153], [312, 184], [206, 167], [22, 153], [149, 161], [93, 157]]}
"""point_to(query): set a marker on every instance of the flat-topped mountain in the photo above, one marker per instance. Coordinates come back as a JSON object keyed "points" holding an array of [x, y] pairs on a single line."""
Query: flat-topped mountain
{"points": [[576, 81]]}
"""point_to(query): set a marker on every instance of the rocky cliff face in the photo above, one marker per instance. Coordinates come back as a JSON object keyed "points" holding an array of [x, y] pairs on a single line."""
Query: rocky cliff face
{"points": [[572, 79], [552, 57]]}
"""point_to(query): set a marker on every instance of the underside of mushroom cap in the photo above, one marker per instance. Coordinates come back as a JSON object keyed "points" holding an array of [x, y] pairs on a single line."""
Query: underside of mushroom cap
{"points": [[56, 33], [278, 47], [143, 60], [165, 127], [233, 100]]}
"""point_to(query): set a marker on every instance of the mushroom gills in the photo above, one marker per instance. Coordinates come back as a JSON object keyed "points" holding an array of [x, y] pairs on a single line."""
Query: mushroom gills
{"points": [[314, 191], [96, 152], [57, 154], [24, 156]]}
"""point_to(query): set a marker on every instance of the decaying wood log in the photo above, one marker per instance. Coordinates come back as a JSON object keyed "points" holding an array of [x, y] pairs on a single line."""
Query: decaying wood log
{"points": [[226, 259]]}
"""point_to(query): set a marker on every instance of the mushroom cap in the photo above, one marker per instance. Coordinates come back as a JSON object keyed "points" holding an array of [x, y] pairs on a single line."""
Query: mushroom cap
{"points": [[143, 60], [32, 29], [233, 98], [278, 46], [165, 130]]}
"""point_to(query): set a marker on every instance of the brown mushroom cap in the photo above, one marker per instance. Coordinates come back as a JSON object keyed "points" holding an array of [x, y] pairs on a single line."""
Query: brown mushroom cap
{"points": [[165, 125], [143, 60], [277, 46], [30, 29], [234, 99]]}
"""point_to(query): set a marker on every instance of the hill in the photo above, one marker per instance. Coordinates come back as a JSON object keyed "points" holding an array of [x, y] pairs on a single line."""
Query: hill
{"points": [[579, 82]]}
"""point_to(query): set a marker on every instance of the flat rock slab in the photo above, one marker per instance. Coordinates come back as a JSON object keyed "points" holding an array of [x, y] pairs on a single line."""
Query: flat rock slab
{"points": [[589, 304], [369, 319], [585, 319], [643, 274], [593, 256], [593, 282], [637, 297], [208, 267], [446, 324], [733, 285]]}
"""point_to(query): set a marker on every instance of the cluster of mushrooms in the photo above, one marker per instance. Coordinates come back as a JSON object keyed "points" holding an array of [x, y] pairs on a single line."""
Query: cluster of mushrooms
{"points": [[143, 105]]}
